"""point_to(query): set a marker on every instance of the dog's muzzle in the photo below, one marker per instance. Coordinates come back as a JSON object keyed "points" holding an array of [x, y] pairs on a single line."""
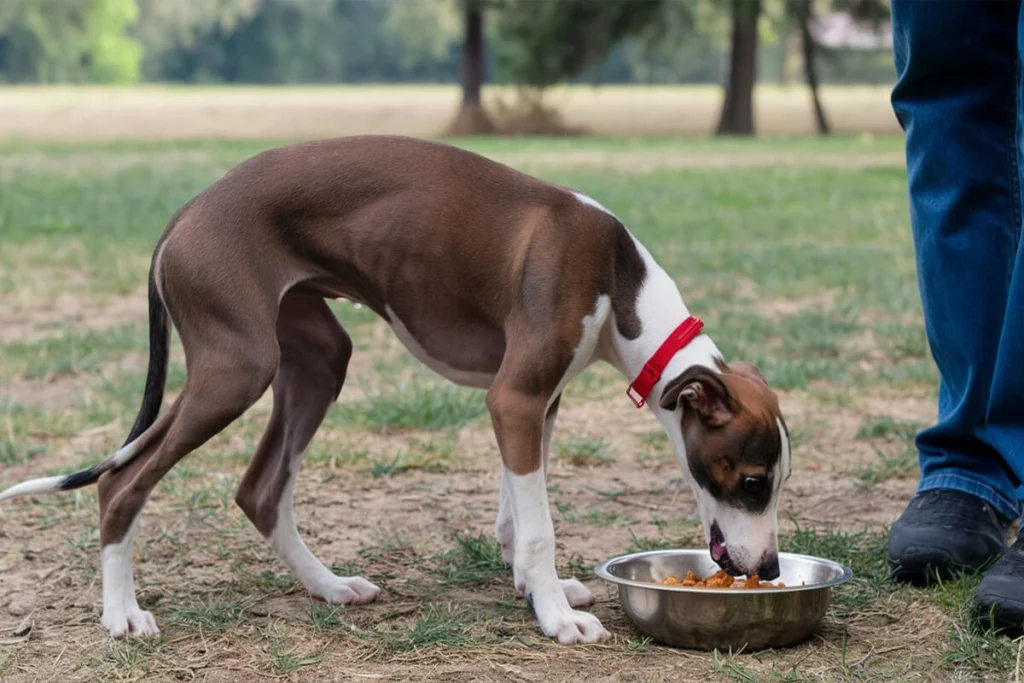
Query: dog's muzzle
{"points": [[767, 570]]}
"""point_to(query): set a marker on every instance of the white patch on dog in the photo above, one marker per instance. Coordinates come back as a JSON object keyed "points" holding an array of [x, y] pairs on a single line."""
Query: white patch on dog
{"points": [[52, 484], [125, 453], [590, 201], [33, 486], [317, 578], [121, 613], [476, 380], [535, 564], [785, 459], [576, 593], [586, 350]]}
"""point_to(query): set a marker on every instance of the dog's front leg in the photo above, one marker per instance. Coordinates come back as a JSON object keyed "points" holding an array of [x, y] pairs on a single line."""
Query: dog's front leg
{"points": [[519, 427]]}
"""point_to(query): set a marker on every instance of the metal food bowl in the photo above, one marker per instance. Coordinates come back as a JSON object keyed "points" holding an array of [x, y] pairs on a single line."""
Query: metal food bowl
{"points": [[722, 618]]}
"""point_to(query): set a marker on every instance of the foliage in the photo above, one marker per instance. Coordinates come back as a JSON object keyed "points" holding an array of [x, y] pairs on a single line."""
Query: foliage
{"points": [[53, 41], [534, 44], [546, 43]]}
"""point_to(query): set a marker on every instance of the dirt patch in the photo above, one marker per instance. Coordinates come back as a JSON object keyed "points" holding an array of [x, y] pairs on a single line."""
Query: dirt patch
{"points": [[25, 317]]}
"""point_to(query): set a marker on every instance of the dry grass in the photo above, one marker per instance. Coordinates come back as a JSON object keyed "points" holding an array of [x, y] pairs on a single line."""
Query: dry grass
{"points": [[161, 113]]}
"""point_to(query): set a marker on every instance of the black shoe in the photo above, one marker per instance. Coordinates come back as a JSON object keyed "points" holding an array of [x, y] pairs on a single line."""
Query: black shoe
{"points": [[999, 600], [943, 532]]}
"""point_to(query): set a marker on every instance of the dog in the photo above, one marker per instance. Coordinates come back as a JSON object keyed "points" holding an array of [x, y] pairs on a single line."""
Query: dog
{"points": [[491, 278]]}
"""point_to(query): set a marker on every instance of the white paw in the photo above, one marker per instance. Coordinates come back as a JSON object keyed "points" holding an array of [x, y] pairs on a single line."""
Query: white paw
{"points": [[344, 590], [576, 593], [576, 627], [134, 622]]}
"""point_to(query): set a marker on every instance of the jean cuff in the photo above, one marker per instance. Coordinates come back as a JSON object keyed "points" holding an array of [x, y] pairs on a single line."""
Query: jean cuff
{"points": [[1005, 507]]}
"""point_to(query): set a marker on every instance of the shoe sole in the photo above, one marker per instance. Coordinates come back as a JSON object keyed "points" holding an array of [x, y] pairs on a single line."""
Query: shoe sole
{"points": [[921, 566]]}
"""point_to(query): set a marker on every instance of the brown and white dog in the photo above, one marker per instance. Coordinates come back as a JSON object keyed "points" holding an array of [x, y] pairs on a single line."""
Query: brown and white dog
{"points": [[491, 278]]}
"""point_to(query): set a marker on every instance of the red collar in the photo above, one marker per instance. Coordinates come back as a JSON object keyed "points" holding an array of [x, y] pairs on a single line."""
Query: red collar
{"points": [[651, 372]]}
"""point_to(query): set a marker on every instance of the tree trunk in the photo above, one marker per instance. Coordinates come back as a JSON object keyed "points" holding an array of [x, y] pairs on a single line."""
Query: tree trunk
{"points": [[811, 67], [471, 118], [738, 108]]}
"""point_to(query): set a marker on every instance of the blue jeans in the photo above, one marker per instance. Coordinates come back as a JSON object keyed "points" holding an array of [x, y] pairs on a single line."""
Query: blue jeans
{"points": [[958, 98]]}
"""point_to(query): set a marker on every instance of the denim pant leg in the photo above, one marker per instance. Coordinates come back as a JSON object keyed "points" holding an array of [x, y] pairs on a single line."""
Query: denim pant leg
{"points": [[956, 98], [1005, 419]]}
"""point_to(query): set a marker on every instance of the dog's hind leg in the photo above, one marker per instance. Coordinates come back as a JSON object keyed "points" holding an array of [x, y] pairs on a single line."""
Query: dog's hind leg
{"points": [[231, 361], [315, 351]]}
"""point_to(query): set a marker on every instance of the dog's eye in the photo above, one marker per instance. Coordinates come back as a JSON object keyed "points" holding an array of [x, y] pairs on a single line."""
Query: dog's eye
{"points": [[754, 484]]}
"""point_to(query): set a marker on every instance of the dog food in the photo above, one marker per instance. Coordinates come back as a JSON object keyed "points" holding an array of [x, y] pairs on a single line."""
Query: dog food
{"points": [[720, 580]]}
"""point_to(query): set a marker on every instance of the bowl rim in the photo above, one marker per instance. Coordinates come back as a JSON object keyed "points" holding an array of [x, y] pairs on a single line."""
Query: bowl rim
{"points": [[601, 570]]}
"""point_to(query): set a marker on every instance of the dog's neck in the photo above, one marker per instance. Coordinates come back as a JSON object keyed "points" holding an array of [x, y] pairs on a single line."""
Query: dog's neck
{"points": [[661, 309]]}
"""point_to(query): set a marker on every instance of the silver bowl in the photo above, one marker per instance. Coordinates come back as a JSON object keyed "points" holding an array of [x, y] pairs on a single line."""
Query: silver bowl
{"points": [[722, 618]]}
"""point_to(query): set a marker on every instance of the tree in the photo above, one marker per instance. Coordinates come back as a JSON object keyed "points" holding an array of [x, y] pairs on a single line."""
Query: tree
{"points": [[802, 11], [68, 41], [737, 117], [472, 118], [555, 40]]}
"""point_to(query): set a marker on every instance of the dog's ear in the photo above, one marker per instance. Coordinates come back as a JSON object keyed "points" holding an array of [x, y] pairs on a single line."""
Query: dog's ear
{"points": [[743, 367], [703, 390]]}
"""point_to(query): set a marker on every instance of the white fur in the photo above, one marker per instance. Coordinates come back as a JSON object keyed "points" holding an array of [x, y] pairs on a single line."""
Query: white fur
{"points": [[590, 201], [51, 484], [33, 486], [533, 557], [477, 380], [121, 613], [576, 593], [125, 453], [535, 564], [317, 578], [785, 459]]}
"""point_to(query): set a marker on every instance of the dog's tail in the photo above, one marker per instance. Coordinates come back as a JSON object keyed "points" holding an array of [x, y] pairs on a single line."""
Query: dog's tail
{"points": [[156, 378]]}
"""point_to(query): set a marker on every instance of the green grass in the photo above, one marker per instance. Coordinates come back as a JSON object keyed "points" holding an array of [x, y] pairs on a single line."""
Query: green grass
{"points": [[415, 405], [288, 663], [897, 458], [473, 560], [862, 551], [209, 613], [437, 629]]}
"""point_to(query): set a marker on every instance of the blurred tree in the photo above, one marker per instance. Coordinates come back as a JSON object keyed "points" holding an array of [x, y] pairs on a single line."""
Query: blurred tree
{"points": [[73, 41], [737, 117], [167, 26], [472, 118], [802, 11], [553, 41]]}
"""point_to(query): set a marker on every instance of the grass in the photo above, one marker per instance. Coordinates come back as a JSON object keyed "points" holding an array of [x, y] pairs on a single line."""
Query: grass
{"points": [[584, 452], [796, 260], [473, 560], [436, 630], [897, 458], [416, 405]]}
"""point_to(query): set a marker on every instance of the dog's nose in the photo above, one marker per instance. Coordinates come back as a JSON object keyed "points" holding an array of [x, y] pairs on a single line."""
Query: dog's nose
{"points": [[769, 569]]}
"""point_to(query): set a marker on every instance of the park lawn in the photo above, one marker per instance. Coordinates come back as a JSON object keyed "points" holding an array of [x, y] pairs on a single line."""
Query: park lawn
{"points": [[796, 253]]}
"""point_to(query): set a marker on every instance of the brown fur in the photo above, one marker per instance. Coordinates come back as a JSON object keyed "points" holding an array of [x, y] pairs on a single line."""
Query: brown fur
{"points": [[730, 429], [489, 269]]}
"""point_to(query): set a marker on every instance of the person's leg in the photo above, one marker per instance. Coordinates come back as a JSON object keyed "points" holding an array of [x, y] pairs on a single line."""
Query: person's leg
{"points": [[1001, 593], [956, 98]]}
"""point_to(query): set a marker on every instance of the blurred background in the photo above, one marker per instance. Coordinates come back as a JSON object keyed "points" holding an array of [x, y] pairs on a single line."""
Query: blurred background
{"points": [[312, 68]]}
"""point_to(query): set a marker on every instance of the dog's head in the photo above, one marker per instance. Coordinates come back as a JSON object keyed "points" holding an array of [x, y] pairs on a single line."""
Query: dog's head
{"points": [[736, 447]]}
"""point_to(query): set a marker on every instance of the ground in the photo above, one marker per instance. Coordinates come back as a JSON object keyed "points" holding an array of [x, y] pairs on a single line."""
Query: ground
{"points": [[796, 253]]}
